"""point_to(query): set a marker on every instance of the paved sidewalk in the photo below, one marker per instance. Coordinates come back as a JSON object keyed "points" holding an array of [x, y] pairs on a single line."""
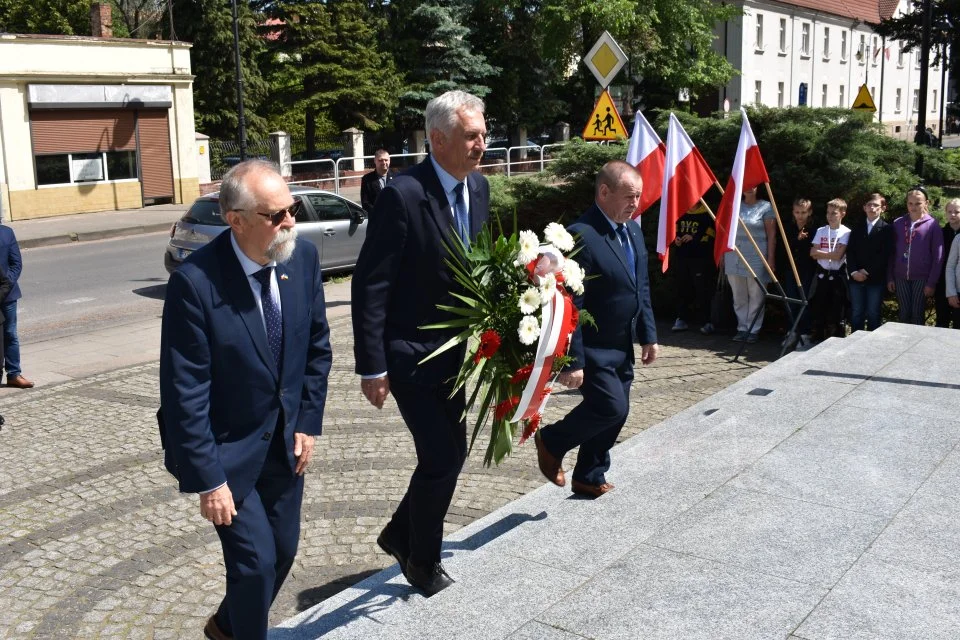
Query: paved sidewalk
{"points": [[97, 543]]}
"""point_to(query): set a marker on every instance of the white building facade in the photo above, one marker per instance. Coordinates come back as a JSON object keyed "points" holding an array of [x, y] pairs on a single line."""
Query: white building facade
{"points": [[818, 53]]}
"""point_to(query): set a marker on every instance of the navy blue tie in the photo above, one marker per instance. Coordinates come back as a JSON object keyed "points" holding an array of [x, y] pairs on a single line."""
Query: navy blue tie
{"points": [[627, 249], [460, 213], [271, 314]]}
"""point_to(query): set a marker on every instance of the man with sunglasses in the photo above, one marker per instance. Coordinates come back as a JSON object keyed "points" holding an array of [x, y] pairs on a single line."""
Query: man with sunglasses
{"points": [[244, 361], [401, 276]]}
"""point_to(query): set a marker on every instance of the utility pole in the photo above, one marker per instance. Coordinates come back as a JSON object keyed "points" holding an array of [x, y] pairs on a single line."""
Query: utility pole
{"points": [[241, 123], [921, 135]]}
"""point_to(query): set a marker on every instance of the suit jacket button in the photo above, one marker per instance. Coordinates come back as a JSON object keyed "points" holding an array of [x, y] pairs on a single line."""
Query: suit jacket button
{"points": [[267, 435]]}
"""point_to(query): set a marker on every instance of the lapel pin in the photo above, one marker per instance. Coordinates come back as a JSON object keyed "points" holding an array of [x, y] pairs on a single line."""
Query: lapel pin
{"points": [[283, 276]]}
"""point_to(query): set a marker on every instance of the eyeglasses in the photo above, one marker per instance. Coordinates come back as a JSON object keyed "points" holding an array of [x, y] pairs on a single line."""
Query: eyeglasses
{"points": [[279, 216]]}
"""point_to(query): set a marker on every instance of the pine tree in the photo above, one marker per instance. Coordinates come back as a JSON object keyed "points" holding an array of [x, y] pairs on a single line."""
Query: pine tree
{"points": [[329, 65], [444, 59], [208, 24]]}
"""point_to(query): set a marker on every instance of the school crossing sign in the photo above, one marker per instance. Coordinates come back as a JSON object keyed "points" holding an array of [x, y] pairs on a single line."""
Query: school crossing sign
{"points": [[864, 101], [605, 122]]}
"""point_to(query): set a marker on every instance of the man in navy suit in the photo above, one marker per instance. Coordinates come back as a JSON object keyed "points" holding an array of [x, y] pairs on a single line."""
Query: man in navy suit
{"points": [[868, 252], [374, 182], [244, 361], [618, 297], [401, 277], [12, 265]]}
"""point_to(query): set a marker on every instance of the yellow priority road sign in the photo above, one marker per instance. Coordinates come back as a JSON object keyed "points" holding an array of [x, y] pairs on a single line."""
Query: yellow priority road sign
{"points": [[864, 101], [604, 122]]}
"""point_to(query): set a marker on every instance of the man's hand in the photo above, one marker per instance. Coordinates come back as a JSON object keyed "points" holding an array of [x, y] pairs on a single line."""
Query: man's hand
{"points": [[217, 506], [892, 287], [649, 352], [302, 451], [571, 379], [928, 291], [376, 390], [954, 301], [858, 276]]}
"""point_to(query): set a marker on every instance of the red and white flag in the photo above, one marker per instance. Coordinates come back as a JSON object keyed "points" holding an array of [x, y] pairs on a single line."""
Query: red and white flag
{"points": [[748, 172], [647, 153], [685, 179]]}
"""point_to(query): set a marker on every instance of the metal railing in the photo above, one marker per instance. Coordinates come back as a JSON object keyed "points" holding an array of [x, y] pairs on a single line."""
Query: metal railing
{"points": [[505, 160]]}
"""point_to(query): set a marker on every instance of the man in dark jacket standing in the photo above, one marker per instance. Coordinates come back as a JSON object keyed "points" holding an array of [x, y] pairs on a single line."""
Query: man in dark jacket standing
{"points": [[868, 252], [611, 248], [374, 182], [11, 264]]}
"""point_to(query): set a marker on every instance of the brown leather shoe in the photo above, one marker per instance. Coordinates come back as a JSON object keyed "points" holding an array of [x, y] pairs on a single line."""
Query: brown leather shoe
{"points": [[590, 490], [19, 382], [549, 465], [212, 630]]}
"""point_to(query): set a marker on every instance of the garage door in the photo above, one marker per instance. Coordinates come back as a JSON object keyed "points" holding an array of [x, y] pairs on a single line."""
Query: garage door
{"points": [[156, 168]]}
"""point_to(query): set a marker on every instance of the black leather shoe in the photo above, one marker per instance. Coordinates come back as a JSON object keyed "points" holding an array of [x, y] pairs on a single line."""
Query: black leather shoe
{"points": [[390, 547], [430, 580]]}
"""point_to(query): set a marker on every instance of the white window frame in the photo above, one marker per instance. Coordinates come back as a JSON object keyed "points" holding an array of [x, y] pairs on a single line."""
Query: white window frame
{"points": [[843, 46], [780, 90], [824, 95], [898, 101], [73, 181], [933, 102], [842, 97], [863, 49], [783, 36], [916, 100], [900, 56], [826, 43], [805, 40], [758, 44], [757, 92], [873, 52]]}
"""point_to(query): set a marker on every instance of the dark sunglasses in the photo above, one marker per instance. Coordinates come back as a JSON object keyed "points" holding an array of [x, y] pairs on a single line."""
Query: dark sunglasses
{"points": [[279, 216]]}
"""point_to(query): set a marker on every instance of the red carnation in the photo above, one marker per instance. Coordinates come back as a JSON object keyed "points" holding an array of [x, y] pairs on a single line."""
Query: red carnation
{"points": [[523, 373], [505, 407], [489, 343], [531, 427]]}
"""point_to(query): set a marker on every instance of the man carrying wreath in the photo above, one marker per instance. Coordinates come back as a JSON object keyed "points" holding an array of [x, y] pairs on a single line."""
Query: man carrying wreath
{"points": [[618, 298], [401, 277]]}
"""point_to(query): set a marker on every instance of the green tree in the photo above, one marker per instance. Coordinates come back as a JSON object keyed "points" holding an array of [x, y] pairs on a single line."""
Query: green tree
{"points": [[669, 44], [208, 24], [438, 56], [329, 65], [511, 35], [54, 17]]}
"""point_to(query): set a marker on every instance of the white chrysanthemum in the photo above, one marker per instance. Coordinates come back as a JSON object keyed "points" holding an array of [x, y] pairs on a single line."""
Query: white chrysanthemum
{"points": [[529, 300], [529, 330], [556, 235], [573, 275], [529, 247], [548, 287]]}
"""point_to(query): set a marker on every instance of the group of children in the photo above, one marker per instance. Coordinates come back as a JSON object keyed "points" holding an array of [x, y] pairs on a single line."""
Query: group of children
{"points": [[845, 273]]}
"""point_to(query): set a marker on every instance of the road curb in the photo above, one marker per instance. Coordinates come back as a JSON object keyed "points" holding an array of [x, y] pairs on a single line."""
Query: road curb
{"points": [[86, 236]]}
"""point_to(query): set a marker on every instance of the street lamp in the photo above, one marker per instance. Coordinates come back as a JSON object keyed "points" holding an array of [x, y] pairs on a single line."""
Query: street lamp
{"points": [[241, 123]]}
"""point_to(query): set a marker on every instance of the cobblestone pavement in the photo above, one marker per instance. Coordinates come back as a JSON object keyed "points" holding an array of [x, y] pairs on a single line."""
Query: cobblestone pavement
{"points": [[96, 542]]}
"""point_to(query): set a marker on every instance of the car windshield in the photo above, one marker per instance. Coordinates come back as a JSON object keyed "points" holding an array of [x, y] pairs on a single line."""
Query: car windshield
{"points": [[205, 212]]}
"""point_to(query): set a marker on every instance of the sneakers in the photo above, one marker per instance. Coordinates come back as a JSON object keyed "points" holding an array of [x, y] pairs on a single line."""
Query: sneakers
{"points": [[707, 329], [680, 325], [741, 336]]}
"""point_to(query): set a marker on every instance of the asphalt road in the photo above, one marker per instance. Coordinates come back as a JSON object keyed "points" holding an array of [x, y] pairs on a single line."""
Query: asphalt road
{"points": [[71, 289]]}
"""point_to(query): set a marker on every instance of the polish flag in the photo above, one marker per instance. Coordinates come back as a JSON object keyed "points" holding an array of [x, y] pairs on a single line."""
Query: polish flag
{"points": [[748, 172], [646, 152], [686, 178]]}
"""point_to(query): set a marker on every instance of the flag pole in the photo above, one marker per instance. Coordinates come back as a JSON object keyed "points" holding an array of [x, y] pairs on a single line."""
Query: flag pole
{"points": [[786, 242]]}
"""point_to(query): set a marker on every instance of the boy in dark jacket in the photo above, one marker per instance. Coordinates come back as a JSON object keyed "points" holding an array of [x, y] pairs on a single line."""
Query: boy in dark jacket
{"points": [[868, 252]]}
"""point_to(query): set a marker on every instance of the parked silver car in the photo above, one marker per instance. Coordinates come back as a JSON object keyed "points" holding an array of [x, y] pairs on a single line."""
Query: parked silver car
{"points": [[334, 224]]}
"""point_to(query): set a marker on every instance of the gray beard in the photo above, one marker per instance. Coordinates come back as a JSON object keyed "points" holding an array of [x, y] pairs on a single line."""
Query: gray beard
{"points": [[282, 246]]}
